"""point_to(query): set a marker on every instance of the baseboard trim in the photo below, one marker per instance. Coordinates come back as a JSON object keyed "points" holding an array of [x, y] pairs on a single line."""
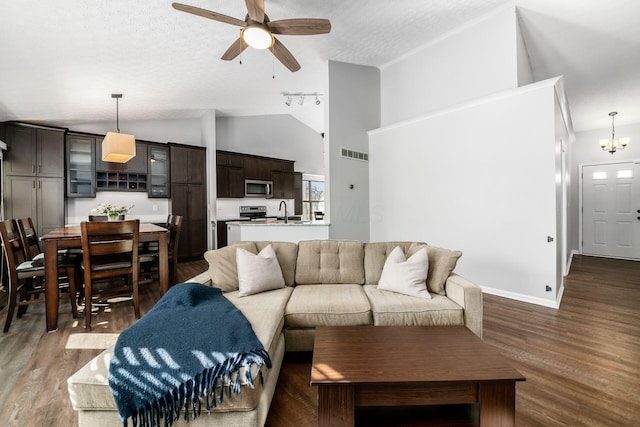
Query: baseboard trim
{"points": [[525, 298]]}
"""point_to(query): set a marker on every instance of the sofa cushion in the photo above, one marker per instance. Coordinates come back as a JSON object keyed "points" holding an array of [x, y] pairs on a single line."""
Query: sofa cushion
{"points": [[287, 254], [404, 275], [258, 273], [441, 264], [375, 255], [327, 305], [330, 261], [222, 265], [89, 387], [393, 309]]}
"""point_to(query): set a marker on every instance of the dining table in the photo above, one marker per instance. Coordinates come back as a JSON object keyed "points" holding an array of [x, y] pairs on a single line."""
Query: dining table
{"points": [[70, 237]]}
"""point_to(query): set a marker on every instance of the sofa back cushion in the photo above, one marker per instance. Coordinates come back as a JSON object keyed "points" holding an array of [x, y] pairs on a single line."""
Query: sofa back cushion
{"points": [[287, 254], [222, 265], [441, 262], [375, 255], [223, 268], [330, 262]]}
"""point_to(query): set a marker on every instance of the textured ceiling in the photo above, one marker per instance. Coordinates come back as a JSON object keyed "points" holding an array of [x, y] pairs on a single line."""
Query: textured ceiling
{"points": [[60, 60]]}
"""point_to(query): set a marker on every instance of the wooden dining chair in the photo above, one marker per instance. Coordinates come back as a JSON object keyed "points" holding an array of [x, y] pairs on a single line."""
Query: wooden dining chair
{"points": [[26, 277], [150, 258], [110, 262], [33, 251]]}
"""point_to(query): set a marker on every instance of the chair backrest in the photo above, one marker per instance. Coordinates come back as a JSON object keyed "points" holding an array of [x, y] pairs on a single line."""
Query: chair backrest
{"points": [[12, 244], [174, 225], [110, 248], [30, 240]]}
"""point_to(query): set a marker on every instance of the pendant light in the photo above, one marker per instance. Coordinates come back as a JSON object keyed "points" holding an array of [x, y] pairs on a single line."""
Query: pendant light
{"points": [[118, 147]]}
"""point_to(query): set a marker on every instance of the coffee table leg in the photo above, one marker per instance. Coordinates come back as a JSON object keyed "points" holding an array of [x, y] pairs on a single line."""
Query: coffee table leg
{"points": [[498, 404], [336, 406]]}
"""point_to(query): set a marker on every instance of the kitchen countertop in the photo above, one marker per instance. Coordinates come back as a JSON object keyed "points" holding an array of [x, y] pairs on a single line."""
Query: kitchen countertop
{"points": [[273, 222]]}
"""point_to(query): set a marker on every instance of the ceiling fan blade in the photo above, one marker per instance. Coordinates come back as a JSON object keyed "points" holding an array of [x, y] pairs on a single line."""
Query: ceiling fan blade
{"points": [[235, 49], [209, 14], [300, 27], [284, 56], [255, 9]]}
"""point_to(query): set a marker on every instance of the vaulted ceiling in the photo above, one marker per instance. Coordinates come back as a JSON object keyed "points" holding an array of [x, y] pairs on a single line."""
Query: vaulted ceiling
{"points": [[60, 60]]}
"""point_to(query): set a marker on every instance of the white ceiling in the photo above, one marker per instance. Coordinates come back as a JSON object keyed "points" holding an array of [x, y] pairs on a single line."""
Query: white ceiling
{"points": [[60, 60]]}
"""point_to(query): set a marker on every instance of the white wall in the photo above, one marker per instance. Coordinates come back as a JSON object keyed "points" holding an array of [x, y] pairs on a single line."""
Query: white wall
{"points": [[280, 136], [525, 72], [476, 59], [587, 149], [479, 178], [354, 109]]}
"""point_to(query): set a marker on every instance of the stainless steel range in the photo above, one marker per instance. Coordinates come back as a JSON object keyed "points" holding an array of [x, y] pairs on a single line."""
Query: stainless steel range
{"points": [[253, 212]]}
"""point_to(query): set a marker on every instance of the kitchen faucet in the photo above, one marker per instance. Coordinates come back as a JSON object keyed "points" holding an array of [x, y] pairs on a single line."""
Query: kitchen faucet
{"points": [[286, 218]]}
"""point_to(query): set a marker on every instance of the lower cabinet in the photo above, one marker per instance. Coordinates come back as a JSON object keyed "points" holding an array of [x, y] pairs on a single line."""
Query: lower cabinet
{"points": [[42, 199]]}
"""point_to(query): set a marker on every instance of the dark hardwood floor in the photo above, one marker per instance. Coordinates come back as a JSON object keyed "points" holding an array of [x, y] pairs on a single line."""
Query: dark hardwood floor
{"points": [[582, 362]]}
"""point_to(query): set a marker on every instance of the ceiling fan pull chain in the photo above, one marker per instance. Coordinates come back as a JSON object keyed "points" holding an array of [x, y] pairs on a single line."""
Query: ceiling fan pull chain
{"points": [[273, 69]]}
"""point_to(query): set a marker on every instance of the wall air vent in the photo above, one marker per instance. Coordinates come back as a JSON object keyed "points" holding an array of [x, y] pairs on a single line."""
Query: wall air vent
{"points": [[352, 154]]}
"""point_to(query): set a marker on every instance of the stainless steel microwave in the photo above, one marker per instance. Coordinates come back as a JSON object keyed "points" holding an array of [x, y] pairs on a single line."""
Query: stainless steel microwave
{"points": [[257, 188]]}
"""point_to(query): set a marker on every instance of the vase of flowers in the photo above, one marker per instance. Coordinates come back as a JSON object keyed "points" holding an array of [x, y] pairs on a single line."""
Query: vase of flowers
{"points": [[113, 212]]}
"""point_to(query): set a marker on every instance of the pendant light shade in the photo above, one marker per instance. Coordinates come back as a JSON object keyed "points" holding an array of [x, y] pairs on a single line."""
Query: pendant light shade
{"points": [[118, 147]]}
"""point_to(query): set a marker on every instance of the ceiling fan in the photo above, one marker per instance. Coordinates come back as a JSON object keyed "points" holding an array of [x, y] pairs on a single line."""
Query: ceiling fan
{"points": [[257, 30]]}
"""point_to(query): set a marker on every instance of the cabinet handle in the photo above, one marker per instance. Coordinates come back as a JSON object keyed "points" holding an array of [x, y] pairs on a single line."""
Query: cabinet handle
{"points": [[39, 168], [33, 168], [33, 184]]}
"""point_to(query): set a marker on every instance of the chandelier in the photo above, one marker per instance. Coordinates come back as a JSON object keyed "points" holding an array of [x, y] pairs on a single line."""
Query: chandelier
{"points": [[612, 145]]}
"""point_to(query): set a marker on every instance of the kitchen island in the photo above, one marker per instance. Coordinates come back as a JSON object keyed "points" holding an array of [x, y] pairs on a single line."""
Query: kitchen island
{"points": [[279, 231]]}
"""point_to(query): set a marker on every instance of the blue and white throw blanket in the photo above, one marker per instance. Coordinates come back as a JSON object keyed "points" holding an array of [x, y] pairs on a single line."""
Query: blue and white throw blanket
{"points": [[172, 358]]}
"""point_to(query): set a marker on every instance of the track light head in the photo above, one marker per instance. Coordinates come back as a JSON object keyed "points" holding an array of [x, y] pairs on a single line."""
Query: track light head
{"points": [[288, 101], [301, 101], [317, 101]]}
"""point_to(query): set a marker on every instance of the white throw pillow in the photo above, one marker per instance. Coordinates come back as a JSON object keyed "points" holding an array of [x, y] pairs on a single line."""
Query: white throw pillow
{"points": [[406, 276], [258, 273]]}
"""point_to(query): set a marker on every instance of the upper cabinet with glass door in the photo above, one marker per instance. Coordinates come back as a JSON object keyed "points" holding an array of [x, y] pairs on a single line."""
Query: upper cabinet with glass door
{"points": [[80, 166], [159, 172]]}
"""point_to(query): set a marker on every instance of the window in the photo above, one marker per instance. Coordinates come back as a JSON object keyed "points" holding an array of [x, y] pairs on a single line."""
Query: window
{"points": [[312, 199]]}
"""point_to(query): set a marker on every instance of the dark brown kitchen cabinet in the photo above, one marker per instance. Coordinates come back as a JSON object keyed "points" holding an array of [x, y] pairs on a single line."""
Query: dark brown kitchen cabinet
{"points": [[189, 197], [282, 185], [159, 170], [229, 182], [297, 193], [34, 151], [34, 175], [257, 168], [230, 175], [81, 171]]}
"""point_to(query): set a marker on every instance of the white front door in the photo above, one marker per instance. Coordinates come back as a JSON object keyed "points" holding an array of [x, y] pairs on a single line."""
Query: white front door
{"points": [[610, 210]]}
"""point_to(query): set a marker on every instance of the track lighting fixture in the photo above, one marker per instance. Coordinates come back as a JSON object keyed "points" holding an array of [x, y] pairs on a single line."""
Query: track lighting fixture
{"points": [[301, 96]]}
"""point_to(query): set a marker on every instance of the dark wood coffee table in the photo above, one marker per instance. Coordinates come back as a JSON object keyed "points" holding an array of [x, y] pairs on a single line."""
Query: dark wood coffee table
{"points": [[409, 365]]}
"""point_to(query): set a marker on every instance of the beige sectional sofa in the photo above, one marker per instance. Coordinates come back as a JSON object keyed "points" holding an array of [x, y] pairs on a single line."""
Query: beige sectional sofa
{"points": [[327, 283]]}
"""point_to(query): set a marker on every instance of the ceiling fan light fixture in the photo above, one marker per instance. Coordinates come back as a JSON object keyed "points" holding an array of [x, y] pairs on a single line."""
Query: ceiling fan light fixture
{"points": [[257, 36]]}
